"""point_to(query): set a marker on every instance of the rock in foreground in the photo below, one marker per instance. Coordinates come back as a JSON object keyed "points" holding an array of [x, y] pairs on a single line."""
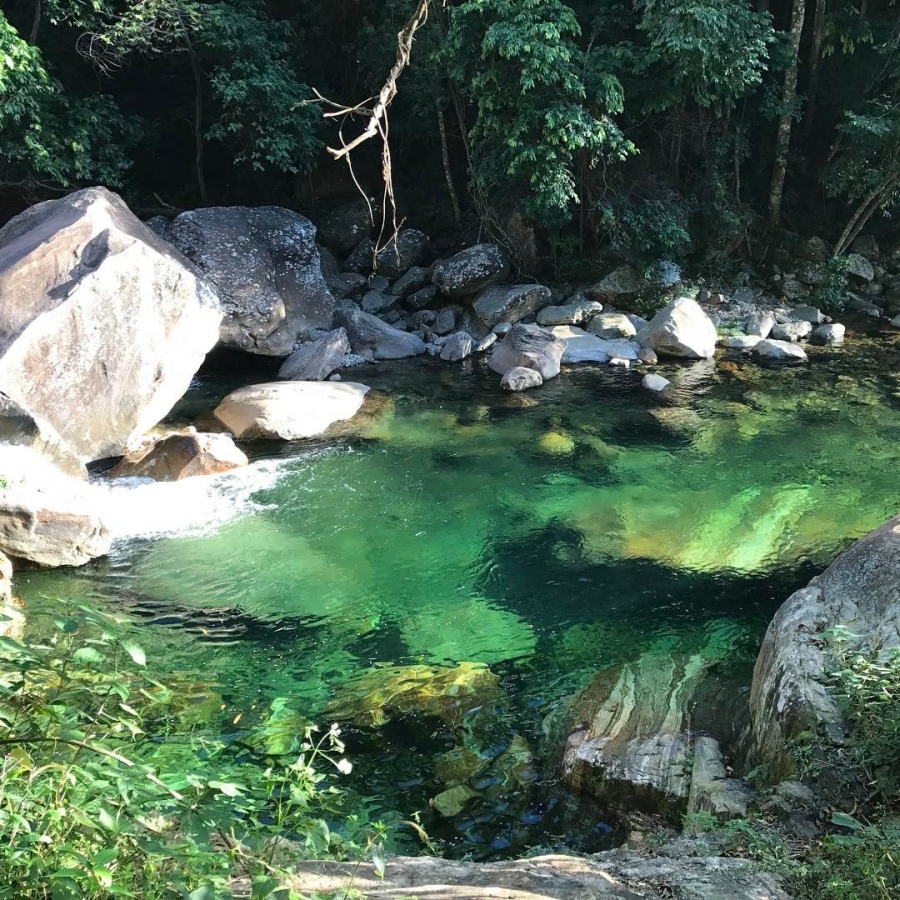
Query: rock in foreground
{"points": [[102, 325], [46, 516], [265, 264], [681, 329], [178, 456], [779, 352], [519, 378], [289, 410], [614, 875], [20, 428]]}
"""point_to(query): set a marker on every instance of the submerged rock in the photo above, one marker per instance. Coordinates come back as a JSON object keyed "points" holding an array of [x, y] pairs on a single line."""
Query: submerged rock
{"points": [[829, 334], [316, 360], [289, 410], [375, 339], [178, 456], [530, 347], [519, 378], [378, 696], [510, 303], [472, 270], [265, 264], [655, 382], [46, 516], [792, 691], [102, 325], [681, 329]]}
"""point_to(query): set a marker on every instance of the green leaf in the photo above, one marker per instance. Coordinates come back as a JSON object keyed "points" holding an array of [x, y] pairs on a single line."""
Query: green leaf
{"points": [[228, 788], [844, 820], [136, 652], [105, 857], [88, 656], [207, 892]]}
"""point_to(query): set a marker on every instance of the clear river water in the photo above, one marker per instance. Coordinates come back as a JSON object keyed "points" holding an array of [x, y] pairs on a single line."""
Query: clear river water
{"points": [[543, 536]]}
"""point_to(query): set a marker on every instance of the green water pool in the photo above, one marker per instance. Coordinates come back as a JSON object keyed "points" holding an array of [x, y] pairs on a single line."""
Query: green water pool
{"points": [[545, 536]]}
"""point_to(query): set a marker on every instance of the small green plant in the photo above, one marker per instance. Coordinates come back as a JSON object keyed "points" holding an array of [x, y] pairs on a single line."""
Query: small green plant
{"points": [[831, 294], [116, 783]]}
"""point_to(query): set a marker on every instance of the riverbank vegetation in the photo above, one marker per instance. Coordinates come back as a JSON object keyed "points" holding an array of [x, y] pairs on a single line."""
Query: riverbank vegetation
{"points": [[120, 781], [655, 129]]}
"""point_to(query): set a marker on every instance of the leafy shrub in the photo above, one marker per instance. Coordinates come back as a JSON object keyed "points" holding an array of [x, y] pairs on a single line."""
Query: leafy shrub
{"points": [[647, 230], [109, 786], [831, 295]]}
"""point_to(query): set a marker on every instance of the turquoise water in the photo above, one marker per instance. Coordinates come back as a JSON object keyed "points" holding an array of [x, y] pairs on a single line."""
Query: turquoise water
{"points": [[534, 539]]}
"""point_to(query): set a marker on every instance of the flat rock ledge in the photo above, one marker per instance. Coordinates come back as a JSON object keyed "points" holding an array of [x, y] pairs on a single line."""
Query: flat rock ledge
{"points": [[615, 875]]}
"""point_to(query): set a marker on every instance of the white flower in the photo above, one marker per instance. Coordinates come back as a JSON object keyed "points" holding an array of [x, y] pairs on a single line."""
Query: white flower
{"points": [[345, 766]]}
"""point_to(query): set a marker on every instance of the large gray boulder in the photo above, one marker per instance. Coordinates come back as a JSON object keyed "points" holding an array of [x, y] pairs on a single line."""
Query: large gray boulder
{"points": [[576, 312], [612, 325], [859, 267], [316, 360], [408, 249], [46, 516], [289, 410], [619, 286], [472, 270], [510, 303], [102, 323], [265, 263], [529, 347], [681, 329], [792, 691], [374, 339], [344, 227]]}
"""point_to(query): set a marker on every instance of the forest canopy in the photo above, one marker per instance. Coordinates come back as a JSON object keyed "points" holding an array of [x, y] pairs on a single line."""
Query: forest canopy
{"points": [[663, 129]]}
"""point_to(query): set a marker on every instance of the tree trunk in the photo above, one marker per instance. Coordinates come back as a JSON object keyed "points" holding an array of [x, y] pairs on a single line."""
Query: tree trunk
{"points": [[448, 172], [815, 59], [785, 122], [864, 211], [35, 24], [198, 120]]}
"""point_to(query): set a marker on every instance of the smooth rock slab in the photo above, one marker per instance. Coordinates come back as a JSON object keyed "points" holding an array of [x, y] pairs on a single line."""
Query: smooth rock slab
{"points": [[289, 410], [613, 875], [741, 341], [583, 347], [178, 456], [510, 303], [520, 378], [46, 516], [316, 360], [530, 347], [784, 352], [472, 270]]}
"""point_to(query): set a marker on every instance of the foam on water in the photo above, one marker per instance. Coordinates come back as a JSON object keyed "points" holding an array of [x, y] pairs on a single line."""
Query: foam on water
{"points": [[142, 508]]}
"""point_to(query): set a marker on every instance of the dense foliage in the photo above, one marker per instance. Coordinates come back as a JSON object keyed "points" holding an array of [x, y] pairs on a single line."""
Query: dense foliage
{"points": [[656, 128], [118, 781]]}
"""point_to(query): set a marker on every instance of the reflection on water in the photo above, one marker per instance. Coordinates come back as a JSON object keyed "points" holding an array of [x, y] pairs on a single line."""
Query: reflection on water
{"points": [[544, 536]]}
